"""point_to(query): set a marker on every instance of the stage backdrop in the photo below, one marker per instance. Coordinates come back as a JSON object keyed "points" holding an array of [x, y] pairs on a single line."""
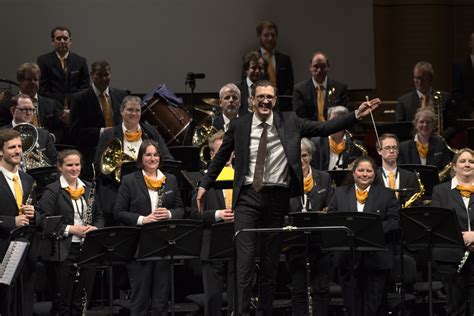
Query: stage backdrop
{"points": [[149, 42]]}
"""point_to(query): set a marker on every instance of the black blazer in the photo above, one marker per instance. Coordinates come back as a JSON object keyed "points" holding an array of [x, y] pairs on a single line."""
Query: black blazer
{"points": [[444, 196], [438, 155], [408, 180], [9, 209], [218, 123], [290, 129], [56, 201], [284, 73], [107, 187], [463, 93], [305, 100], [321, 154], [56, 83], [320, 195], [45, 141], [133, 199], [381, 201], [244, 97]]}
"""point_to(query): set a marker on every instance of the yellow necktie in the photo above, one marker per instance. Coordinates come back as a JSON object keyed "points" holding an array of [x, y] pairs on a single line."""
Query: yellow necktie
{"points": [[107, 110], [424, 101], [154, 184], [391, 180], [308, 183], [465, 190], [133, 136], [62, 61], [271, 68], [228, 198], [362, 196], [18, 193], [320, 95], [422, 149], [75, 194], [337, 148]]}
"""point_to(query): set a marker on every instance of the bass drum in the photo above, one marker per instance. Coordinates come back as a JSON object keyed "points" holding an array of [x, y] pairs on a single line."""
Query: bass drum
{"points": [[172, 122]]}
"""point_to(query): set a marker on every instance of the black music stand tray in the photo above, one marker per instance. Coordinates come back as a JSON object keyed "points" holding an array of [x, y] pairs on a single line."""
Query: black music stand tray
{"points": [[109, 246], [428, 176], [170, 240], [220, 248], [428, 227]]}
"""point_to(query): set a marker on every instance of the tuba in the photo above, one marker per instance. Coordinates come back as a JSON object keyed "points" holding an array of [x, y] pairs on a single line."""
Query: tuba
{"points": [[112, 159], [33, 156], [201, 136]]}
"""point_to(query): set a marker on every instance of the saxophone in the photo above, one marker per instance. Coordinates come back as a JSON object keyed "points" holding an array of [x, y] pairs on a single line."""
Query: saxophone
{"points": [[443, 174], [417, 195]]}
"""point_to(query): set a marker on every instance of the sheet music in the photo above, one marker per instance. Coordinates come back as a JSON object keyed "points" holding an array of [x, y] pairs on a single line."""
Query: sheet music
{"points": [[11, 261]]}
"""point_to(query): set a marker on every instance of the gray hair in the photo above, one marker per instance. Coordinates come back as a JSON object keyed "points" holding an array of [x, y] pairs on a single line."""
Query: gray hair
{"points": [[129, 98], [308, 145], [229, 86], [339, 109]]}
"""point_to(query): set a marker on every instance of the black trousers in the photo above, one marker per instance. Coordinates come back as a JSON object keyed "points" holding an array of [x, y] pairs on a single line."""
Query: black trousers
{"points": [[24, 287], [320, 264], [264, 209], [459, 287], [214, 273], [150, 285]]}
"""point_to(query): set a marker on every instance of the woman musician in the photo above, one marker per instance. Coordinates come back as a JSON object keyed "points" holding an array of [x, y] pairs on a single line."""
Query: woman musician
{"points": [[338, 150], [146, 196], [426, 148], [457, 195], [365, 193], [70, 197], [131, 134], [317, 193]]}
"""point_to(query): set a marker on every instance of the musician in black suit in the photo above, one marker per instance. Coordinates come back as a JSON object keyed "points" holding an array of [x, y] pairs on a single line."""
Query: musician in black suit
{"points": [[229, 100], [261, 198], [389, 174], [338, 150], [313, 97], [254, 67], [94, 111], [62, 72], [463, 81], [131, 133], [458, 195], [316, 197], [279, 70], [367, 194], [217, 209], [22, 110], [15, 188], [147, 196], [426, 148], [70, 197]]}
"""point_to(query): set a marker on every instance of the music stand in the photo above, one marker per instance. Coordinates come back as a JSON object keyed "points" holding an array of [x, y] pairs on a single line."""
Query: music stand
{"points": [[44, 176], [220, 248], [170, 240], [430, 227], [192, 177], [338, 176], [428, 175], [109, 246]]}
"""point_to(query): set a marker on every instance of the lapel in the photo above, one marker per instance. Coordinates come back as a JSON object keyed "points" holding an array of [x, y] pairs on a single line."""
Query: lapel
{"points": [[413, 153], [115, 105], [280, 130], [26, 185], [220, 197], [325, 152], [246, 130], [118, 132], [5, 188], [57, 66], [277, 62], [314, 98], [369, 204], [65, 196], [352, 199], [456, 196], [94, 106], [431, 151], [141, 184]]}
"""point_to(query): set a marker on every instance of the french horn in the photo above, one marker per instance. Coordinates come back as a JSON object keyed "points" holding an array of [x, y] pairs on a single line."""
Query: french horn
{"points": [[112, 159]]}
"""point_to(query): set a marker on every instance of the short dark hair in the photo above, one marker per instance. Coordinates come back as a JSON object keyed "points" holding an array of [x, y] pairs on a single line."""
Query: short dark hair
{"points": [[60, 28], [145, 144], [357, 162], [253, 56], [319, 53], [385, 136], [25, 69], [63, 154], [262, 83], [100, 65], [7, 135], [266, 24]]}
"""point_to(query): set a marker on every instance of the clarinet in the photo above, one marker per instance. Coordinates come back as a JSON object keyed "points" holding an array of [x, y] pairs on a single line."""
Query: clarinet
{"points": [[29, 199]]}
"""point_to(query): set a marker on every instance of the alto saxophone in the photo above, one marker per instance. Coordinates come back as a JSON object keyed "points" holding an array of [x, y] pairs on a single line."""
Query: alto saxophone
{"points": [[417, 195], [443, 174]]}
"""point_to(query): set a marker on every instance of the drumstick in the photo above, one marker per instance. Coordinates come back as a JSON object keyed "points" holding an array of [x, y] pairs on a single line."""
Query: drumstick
{"points": [[373, 122]]}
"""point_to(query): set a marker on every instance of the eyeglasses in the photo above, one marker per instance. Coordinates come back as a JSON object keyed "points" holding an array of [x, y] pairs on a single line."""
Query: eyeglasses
{"points": [[261, 97], [26, 110], [390, 148]]}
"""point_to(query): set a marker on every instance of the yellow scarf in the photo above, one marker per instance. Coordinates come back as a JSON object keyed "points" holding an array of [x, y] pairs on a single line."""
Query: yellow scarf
{"points": [[465, 190], [75, 194], [154, 184], [133, 136], [337, 148], [362, 196], [422, 149], [308, 183]]}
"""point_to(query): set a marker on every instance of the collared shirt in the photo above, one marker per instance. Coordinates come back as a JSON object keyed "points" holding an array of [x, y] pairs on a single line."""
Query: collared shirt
{"points": [[131, 148], [324, 84], [385, 173], [276, 163], [360, 206], [226, 122], [454, 183], [153, 198], [423, 160], [335, 160], [79, 206], [9, 177], [429, 95], [65, 56]]}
